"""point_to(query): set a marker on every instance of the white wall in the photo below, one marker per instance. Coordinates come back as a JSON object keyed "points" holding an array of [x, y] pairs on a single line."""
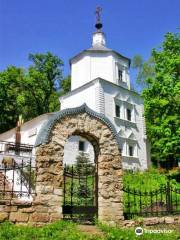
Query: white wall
{"points": [[71, 150], [92, 65], [29, 130], [101, 66], [91, 94], [136, 126], [85, 95], [80, 71]]}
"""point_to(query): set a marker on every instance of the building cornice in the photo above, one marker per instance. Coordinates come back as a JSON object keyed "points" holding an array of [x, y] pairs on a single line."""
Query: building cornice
{"points": [[93, 82], [98, 50]]}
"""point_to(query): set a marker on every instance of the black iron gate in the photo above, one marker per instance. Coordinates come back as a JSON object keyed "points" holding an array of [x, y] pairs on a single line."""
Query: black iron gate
{"points": [[80, 192]]}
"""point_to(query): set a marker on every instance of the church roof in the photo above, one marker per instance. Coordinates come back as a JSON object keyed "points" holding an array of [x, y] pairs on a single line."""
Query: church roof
{"points": [[99, 48]]}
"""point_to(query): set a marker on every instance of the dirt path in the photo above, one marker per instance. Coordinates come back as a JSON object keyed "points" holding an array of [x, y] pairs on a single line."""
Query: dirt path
{"points": [[91, 230]]}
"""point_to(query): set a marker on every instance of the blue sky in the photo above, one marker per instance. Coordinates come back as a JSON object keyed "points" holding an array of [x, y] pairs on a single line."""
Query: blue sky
{"points": [[65, 27]]}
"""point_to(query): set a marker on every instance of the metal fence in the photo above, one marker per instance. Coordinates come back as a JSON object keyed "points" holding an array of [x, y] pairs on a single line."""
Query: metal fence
{"points": [[17, 149], [162, 201], [17, 179]]}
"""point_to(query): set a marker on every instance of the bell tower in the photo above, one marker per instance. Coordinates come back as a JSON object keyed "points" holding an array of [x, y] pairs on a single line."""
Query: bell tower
{"points": [[99, 62]]}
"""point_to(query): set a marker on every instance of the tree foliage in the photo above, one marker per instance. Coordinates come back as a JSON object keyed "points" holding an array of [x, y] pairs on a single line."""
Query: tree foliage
{"points": [[83, 164], [11, 97], [145, 69], [30, 92], [44, 78], [162, 101], [66, 84]]}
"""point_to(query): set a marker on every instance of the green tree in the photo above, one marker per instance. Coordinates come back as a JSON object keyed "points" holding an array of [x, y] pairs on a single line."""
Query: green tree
{"points": [[66, 84], [11, 97], [43, 82], [83, 164], [145, 69], [30, 92], [85, 169], [162, 102]]}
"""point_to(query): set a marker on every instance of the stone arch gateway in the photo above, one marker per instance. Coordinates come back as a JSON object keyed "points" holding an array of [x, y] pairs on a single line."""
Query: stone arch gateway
{"points": [[49, 162]]}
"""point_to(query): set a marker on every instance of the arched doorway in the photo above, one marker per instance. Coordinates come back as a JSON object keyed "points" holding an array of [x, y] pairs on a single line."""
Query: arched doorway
{"points": [[100, 132], [80, 180]]}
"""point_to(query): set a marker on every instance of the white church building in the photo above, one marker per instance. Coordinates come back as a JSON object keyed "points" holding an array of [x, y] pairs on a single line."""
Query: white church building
{"points": [[100, 79]]}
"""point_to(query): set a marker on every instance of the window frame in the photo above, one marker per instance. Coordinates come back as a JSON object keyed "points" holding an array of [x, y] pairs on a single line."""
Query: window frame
{"points": [[129, 114], [130, 150], [119, 111], [120, 76], [83, 144]]}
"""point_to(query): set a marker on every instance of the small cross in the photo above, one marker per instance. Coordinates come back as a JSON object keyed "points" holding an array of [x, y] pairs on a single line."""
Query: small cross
{"points": [[98, 15]]}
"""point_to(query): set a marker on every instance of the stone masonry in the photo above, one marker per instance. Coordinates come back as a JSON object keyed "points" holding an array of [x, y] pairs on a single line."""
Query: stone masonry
{"points": [[47, 204], [50, 167]]}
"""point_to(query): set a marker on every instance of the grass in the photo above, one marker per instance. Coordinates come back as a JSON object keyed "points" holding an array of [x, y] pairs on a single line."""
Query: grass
{"points": [[59, 230], [69, 231], [115, 233], [151, 180]]}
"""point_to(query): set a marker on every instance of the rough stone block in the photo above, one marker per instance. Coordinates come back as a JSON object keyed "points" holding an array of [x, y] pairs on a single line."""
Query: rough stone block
{"points": [[58, 192], [10, 209], [18, 217], [55, 217], [55, 209], [18, 202], [41, 209], [161, 220], [5, 202], [27, 210], [39, 217], [3, 216], [128, 223], [47, 189], [169, 220], [151, 221]]}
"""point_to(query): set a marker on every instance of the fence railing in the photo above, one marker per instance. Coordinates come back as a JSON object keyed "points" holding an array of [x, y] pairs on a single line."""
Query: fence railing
{"points": [[17, 180], [12, 148], [162, 201]]}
